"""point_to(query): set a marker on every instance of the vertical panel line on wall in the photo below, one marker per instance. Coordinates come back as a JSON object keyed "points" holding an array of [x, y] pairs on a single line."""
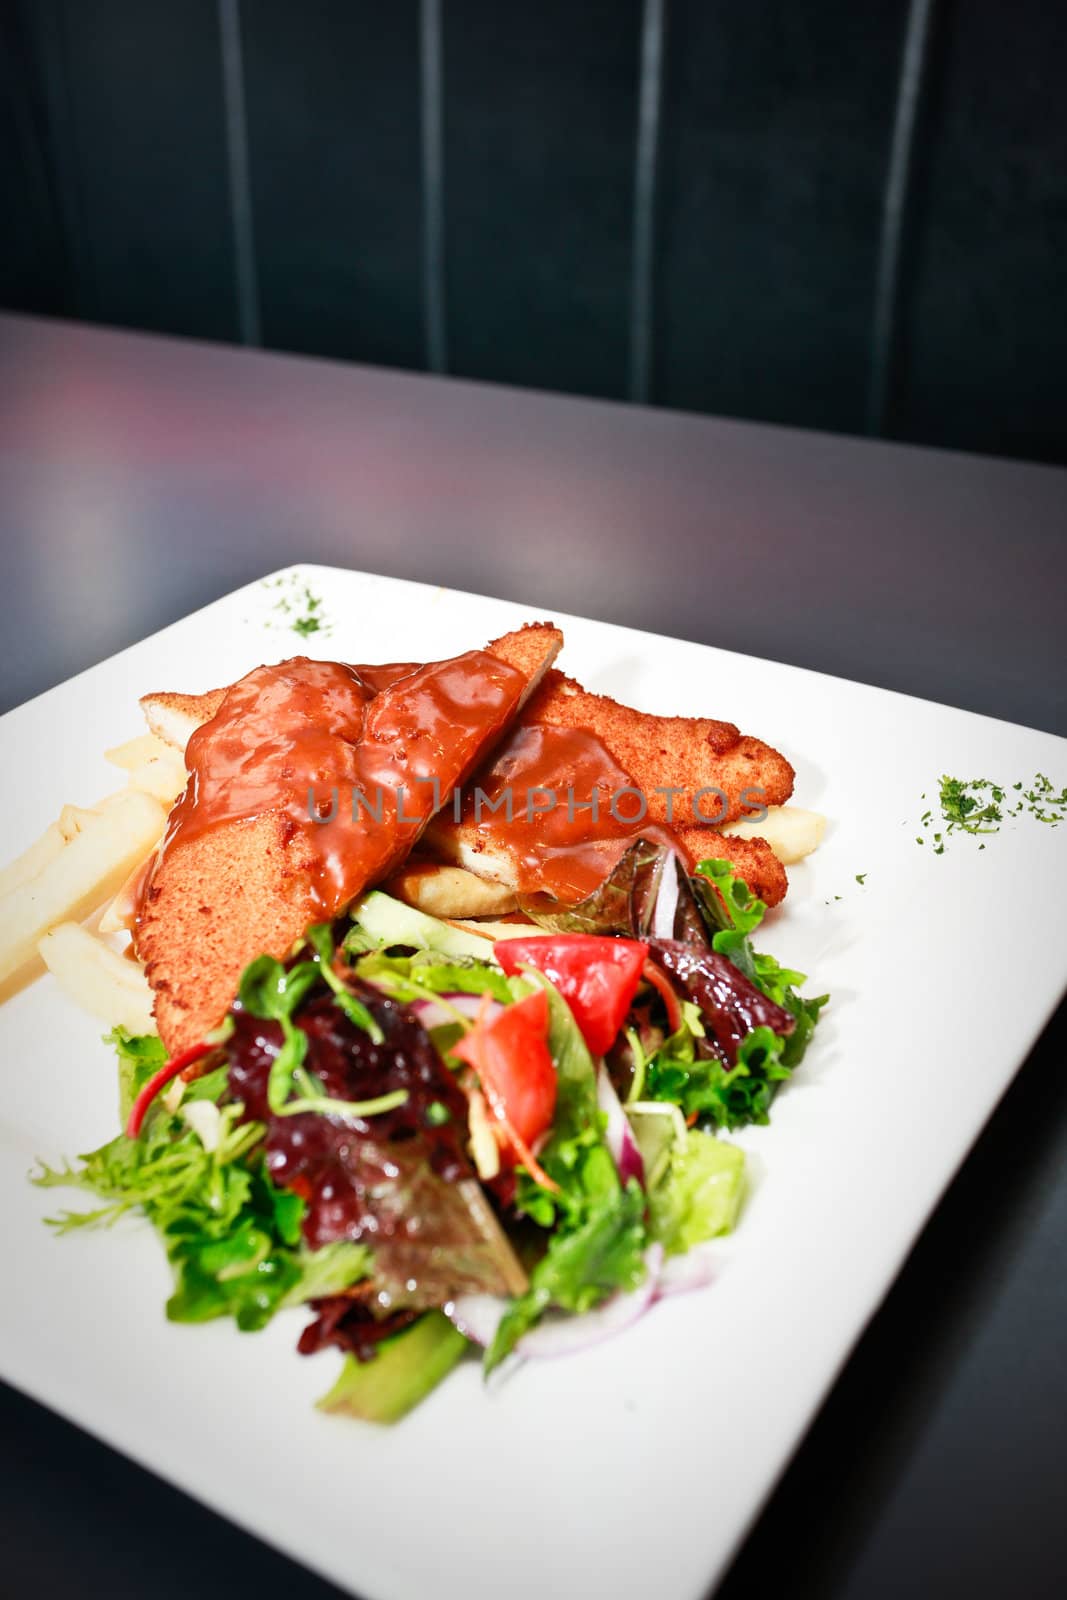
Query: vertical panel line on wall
{"points": [[83, 290], [244, 245], [884, 327], [646, 162], [431, 80]]}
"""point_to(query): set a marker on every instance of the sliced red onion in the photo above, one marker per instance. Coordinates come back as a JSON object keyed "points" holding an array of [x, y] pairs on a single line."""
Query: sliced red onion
{"points": [[680, 1274], [438, 1014], [560, 1335], [663, 912], [618, 1133], [478, 1316]]}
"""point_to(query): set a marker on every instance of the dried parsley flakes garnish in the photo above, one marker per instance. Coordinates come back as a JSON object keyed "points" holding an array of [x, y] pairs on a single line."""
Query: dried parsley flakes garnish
{"points": [[978, 805], [296, 607]]}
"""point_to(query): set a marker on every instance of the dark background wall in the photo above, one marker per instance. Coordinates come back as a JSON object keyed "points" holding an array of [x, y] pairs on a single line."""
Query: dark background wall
{"points": [[454, 184]]}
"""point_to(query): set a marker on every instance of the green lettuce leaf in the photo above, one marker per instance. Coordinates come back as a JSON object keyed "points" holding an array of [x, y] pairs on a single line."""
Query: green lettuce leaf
{"points": [[598, 1239], [329, 1271], [584, 1263], [575, 1155], [727, 1097], [271, 990], [139, 1056], [576, 1100], [427, 974], [700, 1194], [233, 1239], [734, 908], [735, 912]]}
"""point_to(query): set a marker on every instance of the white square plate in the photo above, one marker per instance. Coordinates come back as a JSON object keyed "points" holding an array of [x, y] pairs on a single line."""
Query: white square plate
{"points": [[634, 1468]]}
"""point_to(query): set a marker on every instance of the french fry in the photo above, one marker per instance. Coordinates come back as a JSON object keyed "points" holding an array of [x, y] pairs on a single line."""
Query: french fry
{"points": [[33, 860], [85, 873], [97, 978], [48, 845], [492, 931], [151, 765], [118, 915], [72, 819], [135, 752], [791, 832], [163, 776]]}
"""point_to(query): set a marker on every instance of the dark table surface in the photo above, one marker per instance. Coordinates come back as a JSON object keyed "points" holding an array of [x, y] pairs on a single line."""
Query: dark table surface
{"points": [[141, 478]]}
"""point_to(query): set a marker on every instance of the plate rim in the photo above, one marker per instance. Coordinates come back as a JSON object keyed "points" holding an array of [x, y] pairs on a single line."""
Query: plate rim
{"points": [[814, 1401]]}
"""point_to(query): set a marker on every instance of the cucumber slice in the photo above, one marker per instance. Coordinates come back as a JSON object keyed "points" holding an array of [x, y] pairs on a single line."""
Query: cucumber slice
{"points": [[388, 922]]}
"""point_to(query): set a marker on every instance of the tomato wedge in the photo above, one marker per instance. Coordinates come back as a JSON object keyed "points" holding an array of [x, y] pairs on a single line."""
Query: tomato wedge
{"points": [[511, 1057], [597, 977]]}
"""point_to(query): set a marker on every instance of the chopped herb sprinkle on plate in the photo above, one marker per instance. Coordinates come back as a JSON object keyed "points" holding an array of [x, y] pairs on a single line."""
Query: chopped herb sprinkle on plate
{"points": [[980, 806], [296, 608]]}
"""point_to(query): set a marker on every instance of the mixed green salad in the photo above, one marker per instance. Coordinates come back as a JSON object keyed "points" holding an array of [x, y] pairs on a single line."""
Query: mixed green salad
{"points": [[435, 1143]]}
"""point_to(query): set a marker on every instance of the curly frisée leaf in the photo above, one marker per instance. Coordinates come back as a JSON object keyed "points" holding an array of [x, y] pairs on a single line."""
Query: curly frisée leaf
{"points": [[717, 1077], [232, 1238], [713, 1093], [340, 1114], [736, 911], [164, 1171]]}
